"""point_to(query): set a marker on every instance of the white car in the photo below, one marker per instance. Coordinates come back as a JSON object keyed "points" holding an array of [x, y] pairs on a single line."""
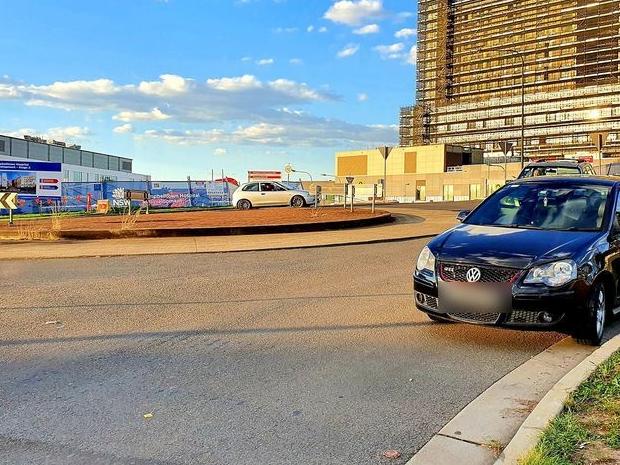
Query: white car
{"points": [[270, 194]]}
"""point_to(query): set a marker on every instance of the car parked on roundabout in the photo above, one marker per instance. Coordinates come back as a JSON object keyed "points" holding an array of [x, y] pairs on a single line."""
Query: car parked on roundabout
{"points": [[556, 168], [270, 194], [540, 253]]}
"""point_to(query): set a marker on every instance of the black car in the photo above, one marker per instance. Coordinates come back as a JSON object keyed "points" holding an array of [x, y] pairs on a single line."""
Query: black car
{"points": [[555, 168], [540, 253]]}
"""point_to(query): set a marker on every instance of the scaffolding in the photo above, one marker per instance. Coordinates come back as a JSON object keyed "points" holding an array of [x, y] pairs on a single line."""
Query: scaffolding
{"points": [[468, 80]]}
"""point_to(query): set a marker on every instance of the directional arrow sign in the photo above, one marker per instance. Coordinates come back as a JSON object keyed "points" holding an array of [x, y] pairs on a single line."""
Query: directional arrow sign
{"points": [[8, 200]]}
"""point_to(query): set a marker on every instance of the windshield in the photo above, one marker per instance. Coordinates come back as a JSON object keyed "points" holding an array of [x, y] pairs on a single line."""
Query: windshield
{"points": [[529, 172], [571, 207]]}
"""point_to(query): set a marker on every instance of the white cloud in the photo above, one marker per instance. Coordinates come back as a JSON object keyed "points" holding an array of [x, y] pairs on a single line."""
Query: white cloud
{"points": [[246, 59], [234, 84], [348, 51], [296, 61], [362, 97], [154, 115], [310, 28], [297, 130], [220, 152], [405, 33], [219, 111], [285, 30], [369, 29], [66, 134], [354, 12], [322, 29], [265, 61], [413, 55], [390, 52], [123, 129], [169, 84]]}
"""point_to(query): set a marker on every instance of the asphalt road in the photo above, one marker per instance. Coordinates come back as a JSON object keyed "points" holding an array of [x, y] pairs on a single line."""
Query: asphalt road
{"points": [[311, 356]]}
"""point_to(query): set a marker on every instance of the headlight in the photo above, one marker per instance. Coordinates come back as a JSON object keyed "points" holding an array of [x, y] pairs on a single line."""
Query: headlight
{"points": [[426, 263], [553, 274]]}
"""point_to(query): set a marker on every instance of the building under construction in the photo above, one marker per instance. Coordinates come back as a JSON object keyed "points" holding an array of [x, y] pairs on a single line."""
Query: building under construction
{"points": [[483, 63]]}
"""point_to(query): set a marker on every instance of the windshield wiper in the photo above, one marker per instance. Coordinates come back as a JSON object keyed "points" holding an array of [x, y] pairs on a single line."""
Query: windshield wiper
{"points": [[520, 226]]}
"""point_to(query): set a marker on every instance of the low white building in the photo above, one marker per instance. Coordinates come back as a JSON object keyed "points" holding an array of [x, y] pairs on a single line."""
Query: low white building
{"points": [[77, 165]]}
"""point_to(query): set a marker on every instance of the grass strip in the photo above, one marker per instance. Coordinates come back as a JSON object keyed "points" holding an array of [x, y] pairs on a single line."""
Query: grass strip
{"points": [[587, 432]]}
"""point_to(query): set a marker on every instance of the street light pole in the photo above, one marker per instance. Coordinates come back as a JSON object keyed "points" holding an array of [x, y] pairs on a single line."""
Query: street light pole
{"points": [[304, 172], [522, 57]]}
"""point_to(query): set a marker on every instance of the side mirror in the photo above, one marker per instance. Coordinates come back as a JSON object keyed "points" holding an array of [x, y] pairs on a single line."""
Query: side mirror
{"points": [[462, 215]]}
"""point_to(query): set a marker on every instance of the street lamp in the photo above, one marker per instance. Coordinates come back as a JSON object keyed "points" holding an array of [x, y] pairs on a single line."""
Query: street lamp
{"points": [[304, 172], [521, 55]]}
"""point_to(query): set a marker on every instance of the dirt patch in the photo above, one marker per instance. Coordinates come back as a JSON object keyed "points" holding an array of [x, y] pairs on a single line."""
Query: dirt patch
{"points": [[597, 453], [206, 221]]}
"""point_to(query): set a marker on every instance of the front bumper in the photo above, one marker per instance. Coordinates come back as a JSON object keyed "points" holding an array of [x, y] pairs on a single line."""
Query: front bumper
{"points": [[531, 308]]}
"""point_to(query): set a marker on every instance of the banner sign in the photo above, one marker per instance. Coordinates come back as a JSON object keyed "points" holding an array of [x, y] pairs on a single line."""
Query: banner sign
{"points": [[31, 179], [264, 176]]}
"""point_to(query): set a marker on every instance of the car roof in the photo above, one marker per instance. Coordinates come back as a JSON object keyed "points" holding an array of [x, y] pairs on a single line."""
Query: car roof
{"points": [[581, 179], [561, 163]]}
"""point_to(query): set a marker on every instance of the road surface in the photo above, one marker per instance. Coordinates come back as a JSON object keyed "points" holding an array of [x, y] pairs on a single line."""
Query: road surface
{"points": [[311, 356]]}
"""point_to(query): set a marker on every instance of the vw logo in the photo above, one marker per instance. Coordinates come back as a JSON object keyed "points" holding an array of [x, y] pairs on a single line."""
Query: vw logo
{"points": [[473, 275]]}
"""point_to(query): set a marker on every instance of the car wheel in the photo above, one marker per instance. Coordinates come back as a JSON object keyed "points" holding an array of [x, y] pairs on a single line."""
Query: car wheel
{"points": [[298, 201], [244, 204], [591, 328]]}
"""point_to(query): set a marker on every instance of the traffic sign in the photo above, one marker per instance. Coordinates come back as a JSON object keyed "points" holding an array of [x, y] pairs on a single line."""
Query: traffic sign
{"points": [[8, 200], [599, 139], [505, 147], [288, 168], [385, 151]]}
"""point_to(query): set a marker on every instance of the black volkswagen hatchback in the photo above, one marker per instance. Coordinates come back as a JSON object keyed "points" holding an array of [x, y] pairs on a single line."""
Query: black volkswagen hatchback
{"points": [[540, 253]]}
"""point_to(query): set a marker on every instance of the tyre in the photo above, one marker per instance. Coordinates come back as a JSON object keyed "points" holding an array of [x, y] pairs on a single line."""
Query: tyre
{"points": [[298, 201], [244, 204], [589, 330]]}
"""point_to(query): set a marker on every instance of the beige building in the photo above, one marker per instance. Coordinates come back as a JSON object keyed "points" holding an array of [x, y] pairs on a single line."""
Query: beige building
{"points": [[426, 173], [476, 56]]}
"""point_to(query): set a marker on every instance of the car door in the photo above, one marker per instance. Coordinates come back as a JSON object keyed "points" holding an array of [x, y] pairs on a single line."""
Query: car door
{"points": [[251, 192], [273, 194], [612, 257]]}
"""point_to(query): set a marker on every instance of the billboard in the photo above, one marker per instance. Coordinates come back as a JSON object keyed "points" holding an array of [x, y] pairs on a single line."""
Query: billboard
{"points": [[264, 176], [31, 179]]}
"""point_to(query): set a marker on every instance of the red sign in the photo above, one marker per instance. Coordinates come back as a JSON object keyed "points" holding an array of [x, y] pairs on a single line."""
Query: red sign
{"points": [[264, 175]]}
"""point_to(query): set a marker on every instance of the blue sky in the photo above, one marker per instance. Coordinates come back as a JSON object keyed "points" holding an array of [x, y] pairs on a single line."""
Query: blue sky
{"points": [[187, 86]]}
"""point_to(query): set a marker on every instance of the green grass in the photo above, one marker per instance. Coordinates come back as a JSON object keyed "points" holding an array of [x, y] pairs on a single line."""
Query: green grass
{"points": [[589, 423]]}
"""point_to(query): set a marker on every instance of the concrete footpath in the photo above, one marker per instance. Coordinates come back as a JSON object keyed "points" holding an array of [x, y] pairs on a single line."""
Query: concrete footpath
{"points": [[432, 223]]}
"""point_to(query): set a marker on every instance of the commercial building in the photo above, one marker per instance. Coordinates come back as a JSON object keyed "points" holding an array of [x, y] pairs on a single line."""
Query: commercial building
{"points": [[423, 173], [477, 57], [77, 165]]}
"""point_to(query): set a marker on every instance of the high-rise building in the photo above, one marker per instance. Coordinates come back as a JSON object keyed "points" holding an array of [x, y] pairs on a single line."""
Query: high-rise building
{"points": [[477, 57]]}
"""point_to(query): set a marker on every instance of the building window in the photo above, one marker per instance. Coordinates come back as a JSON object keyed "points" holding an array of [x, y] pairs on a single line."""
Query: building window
{"points": [[448, 192], [2, 146]]}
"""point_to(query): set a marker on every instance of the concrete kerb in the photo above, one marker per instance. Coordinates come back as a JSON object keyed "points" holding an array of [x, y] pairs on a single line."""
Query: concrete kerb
{"points": [[552, 404], [477, 434]]}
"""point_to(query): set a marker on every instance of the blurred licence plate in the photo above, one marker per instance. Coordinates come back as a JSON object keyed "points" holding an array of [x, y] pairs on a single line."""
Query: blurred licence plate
{"points": [[474, 298]]}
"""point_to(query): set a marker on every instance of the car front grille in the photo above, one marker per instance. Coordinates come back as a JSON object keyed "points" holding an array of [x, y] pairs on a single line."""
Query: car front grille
{"points": [[456, 272], [427, 300], [526, 317], [479, 318]]}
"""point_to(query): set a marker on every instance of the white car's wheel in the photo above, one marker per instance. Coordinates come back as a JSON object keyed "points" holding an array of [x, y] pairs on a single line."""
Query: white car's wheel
{"points": [[244, 204], [298, 201]]}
